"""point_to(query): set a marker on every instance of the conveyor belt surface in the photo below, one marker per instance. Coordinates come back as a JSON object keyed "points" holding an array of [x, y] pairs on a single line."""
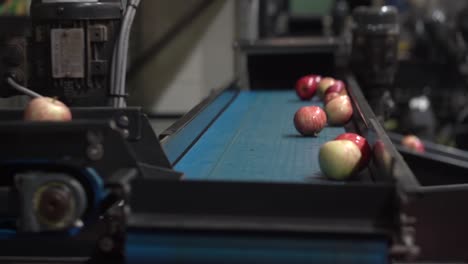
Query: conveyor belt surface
{"points": [[243, 197], [203, 248], [255, 140]]}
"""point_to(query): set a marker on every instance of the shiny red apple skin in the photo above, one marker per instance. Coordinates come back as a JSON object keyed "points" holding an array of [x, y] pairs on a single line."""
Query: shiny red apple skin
{"points": [[324, 85], [414, 143], [337, 87], [339, 110], [306, 86], [362, 144], [310, 120], [47, 109], [339, 159]]}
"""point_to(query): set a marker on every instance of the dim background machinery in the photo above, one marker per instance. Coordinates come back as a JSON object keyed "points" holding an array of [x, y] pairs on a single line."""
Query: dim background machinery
{"points": [[71, 51]]}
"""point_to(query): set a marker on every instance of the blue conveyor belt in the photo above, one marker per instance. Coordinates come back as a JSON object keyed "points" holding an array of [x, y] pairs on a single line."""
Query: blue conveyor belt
{"points": [[255, 140], [189, 248]]}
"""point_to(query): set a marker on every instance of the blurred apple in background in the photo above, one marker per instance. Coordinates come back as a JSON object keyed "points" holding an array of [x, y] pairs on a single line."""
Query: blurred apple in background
{"points": [[47, 109], [414, 143]]}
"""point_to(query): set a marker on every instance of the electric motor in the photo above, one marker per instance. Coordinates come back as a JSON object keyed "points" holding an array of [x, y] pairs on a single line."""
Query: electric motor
{"points": [[71, 49]]}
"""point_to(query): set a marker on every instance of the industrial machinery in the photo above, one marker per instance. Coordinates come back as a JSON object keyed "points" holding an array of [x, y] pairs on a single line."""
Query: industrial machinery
{"points": [[230, 182], [65, 190], [68, 51]]}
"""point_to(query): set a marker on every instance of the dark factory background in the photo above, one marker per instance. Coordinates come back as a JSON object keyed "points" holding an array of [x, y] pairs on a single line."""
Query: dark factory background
{"points": [[181, 50], [182, 66]]}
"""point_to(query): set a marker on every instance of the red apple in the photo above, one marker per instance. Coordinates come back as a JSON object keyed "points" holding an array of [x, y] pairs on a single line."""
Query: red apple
{"points": [[339, 110], [47, 109], [362, 144], [310, 120], [339, 159], [329, 97], [307, 86], [324, 85], [414, 143], [337, 87]]}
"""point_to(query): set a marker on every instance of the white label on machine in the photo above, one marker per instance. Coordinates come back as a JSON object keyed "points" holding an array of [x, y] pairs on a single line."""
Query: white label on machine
{"points": [[68, 53]]}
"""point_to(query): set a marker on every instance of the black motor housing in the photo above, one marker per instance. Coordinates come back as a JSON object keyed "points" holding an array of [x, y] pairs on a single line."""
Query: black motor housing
{"points": [[71, 47]]}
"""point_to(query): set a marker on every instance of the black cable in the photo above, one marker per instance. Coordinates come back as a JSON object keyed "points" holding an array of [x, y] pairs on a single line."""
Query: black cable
{"points": [[146, 56]]}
